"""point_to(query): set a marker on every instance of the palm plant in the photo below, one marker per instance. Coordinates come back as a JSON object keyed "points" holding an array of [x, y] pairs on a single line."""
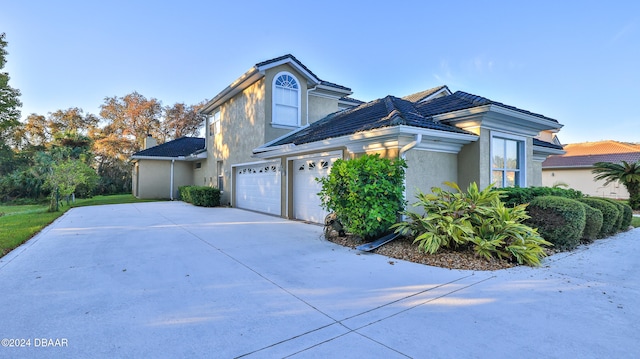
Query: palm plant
{"points": [[626, 173]]}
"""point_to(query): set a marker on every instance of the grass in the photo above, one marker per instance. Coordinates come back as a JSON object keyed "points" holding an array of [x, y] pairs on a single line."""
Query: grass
{"points": [[21, 222], [635, 222]]}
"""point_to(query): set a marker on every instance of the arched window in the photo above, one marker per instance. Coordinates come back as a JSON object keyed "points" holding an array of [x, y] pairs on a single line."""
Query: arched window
{"points": [[286, 100]]}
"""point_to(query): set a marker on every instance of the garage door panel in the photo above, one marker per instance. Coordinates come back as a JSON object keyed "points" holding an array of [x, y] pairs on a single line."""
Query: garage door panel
{"points": [[307, 203], [258, 187]]}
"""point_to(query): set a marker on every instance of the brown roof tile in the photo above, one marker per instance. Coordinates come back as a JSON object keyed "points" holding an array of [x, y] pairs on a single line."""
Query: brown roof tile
{"points": [[580, 155]]}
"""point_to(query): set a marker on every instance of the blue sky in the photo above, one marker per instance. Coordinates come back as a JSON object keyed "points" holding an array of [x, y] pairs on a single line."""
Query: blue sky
{"points": [[575, 61]]}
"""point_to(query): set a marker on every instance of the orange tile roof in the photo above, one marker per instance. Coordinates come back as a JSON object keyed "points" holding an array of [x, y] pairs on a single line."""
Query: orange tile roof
{"points": [[585, 154], [599, 148]]}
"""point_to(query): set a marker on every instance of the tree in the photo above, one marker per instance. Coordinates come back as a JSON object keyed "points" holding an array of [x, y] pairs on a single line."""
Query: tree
{"points": [[65, 177], [9, 101], [626, 173], [71, 119], [132, 117], [181, 120]]}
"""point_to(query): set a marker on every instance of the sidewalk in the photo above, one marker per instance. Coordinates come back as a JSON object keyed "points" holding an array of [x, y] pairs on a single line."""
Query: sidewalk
{"points": [[169, 279]]}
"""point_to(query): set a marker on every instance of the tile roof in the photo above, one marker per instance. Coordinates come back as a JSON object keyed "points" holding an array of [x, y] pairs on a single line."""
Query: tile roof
{"points": [[538, 142], [182, 146], [589, 160], [585, 154], [461, 101], [419, 96], [385, 112], [599, 148], [351, 99], [293, 58]]}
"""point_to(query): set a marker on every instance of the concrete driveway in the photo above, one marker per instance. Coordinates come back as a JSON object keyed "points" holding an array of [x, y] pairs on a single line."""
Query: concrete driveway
{"points": [[170, 280]]}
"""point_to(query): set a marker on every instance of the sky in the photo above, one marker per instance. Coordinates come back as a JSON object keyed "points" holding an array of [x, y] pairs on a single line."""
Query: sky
{"points": [[575, 61]]}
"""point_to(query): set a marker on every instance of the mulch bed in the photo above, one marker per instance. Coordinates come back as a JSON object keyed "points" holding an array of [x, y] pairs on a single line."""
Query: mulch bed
{"points": [[403, 248]]}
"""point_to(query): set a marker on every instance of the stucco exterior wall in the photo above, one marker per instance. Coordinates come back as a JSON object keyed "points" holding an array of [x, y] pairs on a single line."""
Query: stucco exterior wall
{"points": [[582, 179], [426, 169], [534, 177], [320, 107], [154, 178], [242, 129], [469, 163]]}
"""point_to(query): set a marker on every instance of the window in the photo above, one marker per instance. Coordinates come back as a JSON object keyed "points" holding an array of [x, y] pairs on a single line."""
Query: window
{"points": [[507, 161], [220, 169], [215, 123], [286, 100]]}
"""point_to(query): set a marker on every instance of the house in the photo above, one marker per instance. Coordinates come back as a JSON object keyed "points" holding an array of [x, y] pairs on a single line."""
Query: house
{"points": [[574, 167], [159, 170], [276, 128]]}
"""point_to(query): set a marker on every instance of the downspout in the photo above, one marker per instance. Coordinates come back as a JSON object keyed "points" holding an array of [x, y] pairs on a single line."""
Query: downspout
{"points": [[171, 185], [309, 90], [403, 155]]}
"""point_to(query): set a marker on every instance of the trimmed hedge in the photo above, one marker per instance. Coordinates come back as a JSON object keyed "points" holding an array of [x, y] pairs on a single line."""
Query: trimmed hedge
{"points": [[627, 213], [593, 223], [559, 220], [513, 196], [609, 215], [200, 195]]}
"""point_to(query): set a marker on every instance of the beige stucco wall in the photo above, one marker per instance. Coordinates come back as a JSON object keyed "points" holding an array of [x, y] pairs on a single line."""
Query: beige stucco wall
{"points": [[582, 180], [320, 107], [534, 177], [470, 160], [426, 169], [154, 178]]}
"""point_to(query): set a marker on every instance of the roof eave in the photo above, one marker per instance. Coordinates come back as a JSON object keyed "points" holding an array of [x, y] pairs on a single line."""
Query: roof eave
{"points": [[244, 81], [435, 140]]}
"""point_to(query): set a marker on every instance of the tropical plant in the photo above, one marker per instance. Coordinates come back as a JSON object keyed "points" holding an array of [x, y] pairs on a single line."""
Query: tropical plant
{"points": [[473, 219], [366, 193], [626, 173]]}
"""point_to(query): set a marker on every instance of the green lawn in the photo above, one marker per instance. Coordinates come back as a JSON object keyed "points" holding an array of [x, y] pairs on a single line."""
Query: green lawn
{"points": [[19, 223], [635, 222]]}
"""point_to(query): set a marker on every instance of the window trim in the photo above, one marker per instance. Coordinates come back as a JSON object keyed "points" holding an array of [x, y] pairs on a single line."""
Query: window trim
{"points": [[215, 121], [522, 158], [274, 120]]}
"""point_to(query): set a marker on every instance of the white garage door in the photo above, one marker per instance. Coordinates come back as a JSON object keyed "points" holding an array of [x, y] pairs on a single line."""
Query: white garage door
{"points": [[306, 202], [258, 187]]}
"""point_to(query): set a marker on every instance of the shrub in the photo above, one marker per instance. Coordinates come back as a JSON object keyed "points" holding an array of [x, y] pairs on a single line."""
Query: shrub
{"points": [[200, 195], [513, 196], [559, 220], [366, 193], [609, 215], [627, 213], [593, 223], [476, 219]]}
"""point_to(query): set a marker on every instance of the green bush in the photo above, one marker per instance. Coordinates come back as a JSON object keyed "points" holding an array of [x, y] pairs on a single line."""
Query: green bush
{"points": [[513, 196], [476, 219], [627, 213], [559, 220], [593, 223], [609, 215], [200, 195], [366, 193]]}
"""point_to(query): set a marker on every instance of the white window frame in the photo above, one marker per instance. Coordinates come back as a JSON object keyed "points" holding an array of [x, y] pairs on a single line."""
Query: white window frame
{"points": [[274, 104], [522, 159], [215, 121]]}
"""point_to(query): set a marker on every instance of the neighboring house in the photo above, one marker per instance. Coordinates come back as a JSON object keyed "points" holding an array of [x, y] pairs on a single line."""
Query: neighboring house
{"points": [[159, 170], [278, 127], [574, 167]]}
